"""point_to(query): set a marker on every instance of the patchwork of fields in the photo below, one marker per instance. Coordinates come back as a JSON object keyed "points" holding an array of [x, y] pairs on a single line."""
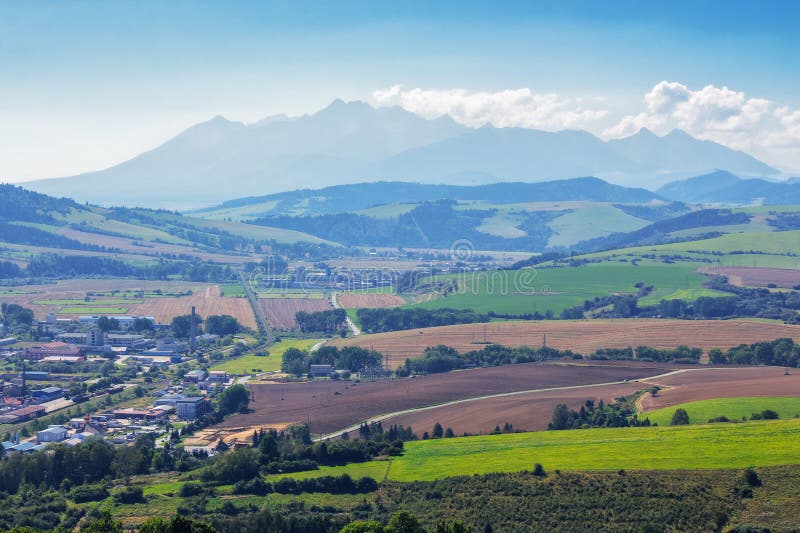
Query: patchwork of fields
{"points": [[163, 300]]}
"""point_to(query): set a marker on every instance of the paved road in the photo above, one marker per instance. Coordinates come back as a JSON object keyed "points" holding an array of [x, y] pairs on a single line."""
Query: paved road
{"points": [[350, 324], [386, 416]]}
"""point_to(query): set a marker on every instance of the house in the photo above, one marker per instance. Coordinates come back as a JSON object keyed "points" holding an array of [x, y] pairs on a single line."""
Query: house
{"points": [[321, 371], [77, 423], [47, 394], [124, 322], [52, 434]]}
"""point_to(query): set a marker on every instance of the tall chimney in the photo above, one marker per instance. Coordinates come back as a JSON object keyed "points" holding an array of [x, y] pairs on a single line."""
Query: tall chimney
{"points": [[193, 333]]}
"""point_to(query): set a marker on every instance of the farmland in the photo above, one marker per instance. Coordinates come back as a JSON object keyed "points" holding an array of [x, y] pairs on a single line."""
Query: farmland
{"points": [[723, 383], [161, 299], [723, 446], [369, 300], [700, 412], [332, 405], [758, 277], [534, 410], [251, 363], [555, 289], [280, 312], [582, 336]]}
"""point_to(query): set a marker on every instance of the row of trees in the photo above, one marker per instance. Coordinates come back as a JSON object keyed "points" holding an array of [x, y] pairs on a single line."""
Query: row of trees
{"points": [[398, 318], [331, 321], [351, 358], [181, 326], [444, 358]]}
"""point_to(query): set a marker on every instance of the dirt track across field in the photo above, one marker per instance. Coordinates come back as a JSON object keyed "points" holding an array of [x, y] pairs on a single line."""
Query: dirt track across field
{"points": [[582, 336], [533, 411], [332, 405]]}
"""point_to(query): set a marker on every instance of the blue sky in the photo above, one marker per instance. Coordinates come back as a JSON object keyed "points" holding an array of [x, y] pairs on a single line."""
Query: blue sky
{"points": [[86, 84]]}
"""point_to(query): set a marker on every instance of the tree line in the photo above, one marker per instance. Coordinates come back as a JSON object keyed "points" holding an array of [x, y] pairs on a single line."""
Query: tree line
{"points": [[398, 318]]}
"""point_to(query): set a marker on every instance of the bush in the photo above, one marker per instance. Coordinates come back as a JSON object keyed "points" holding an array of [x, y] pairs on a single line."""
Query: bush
{"points": [[538, 470], [190, 489], [679, 418], [88, 493], [256, 486], [130, 495]]}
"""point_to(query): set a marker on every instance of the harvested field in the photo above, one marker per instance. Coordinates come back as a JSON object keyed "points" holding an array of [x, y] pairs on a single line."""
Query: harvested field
{"points": [[582, 336], [369, 300], [55, 297], [208, 301], [332, 405], [757, 277], [723, 383], [280, 311]]}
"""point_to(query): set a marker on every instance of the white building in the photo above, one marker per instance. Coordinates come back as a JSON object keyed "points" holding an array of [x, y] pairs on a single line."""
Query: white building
{"points": [[52, 434]]}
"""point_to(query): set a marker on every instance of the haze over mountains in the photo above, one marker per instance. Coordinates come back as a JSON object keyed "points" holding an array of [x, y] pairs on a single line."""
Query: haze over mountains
{"points": [[353, 142]]}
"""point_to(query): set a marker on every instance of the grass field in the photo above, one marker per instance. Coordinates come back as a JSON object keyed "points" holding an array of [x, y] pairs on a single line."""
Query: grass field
{"points": [[270, 363], [233, 291], [92, 310], [764, 443], [700, 412], [556, 289], [590, 222], [90, 303]]}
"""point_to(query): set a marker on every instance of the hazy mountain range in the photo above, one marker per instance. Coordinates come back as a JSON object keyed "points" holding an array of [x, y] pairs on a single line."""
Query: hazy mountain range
{"points": [[354, 142]]}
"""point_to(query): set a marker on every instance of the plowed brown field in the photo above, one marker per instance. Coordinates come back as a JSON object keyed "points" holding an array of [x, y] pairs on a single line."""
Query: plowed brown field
{"points": [[280, 311], [582, 336], [757, 277], [533, 411], [333, 405]]}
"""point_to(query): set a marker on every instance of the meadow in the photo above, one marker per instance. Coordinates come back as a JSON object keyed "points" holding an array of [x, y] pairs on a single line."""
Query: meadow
{"points": [[700, 412], [720, 446], [556, 289], [271, 363]]}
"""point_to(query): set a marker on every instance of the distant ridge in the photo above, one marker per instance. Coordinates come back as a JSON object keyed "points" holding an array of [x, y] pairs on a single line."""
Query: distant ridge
{"points": [[355, 197], [722, 187], [349, 142]]}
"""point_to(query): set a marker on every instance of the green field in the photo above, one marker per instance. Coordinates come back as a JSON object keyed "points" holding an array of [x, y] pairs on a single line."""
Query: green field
{"points": [[762, 443], [302, 295], [770, 248], [90, 303], [555, 289], [387, 211], [702, 411], [233, 291], [270, 363], [591, 222], [91, 310]]}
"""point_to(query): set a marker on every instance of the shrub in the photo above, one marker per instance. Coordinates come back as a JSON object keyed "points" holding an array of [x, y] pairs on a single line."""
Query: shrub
{"points": [[130, 495], [679, 418], [88, 493]]}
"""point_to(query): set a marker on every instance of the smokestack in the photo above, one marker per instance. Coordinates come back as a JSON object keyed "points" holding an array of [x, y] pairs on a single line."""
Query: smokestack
{"points": [[193, 333]]}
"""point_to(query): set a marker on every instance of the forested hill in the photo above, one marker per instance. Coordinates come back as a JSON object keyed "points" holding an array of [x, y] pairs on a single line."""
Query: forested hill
{"points": [[22, 205], [355, 197]]}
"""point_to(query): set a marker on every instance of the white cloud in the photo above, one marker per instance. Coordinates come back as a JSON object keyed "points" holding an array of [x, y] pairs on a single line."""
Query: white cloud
{"points": [[509, 108], [754, 125]]}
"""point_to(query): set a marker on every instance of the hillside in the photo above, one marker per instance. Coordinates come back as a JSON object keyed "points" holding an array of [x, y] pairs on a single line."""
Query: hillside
{"points": [[33, 223], [350, 142], [723, 187], [360, 196]]}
